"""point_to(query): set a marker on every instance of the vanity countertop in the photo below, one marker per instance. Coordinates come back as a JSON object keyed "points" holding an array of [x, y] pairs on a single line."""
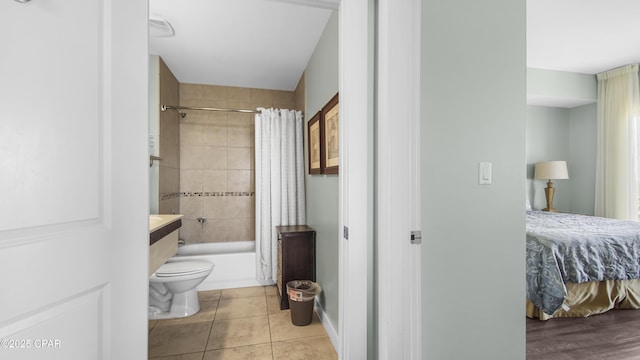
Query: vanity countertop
{"points": [[158, 221], [163, 239]]}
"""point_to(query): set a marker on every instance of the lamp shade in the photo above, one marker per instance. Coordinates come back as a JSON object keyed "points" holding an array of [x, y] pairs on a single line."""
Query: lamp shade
{"points": [[549, 170]]}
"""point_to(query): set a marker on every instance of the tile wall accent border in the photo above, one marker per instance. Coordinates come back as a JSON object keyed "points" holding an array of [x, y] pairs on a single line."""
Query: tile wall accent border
{"points": [[169, 196], [204, 194]]}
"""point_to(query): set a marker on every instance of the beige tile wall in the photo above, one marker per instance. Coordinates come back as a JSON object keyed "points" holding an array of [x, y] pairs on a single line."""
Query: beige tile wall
{"points": [[217, 177], [169, 186], [300, 94]]}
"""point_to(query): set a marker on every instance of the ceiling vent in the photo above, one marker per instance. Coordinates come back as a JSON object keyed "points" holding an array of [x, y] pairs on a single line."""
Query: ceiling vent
{"points": [[160, 28]]}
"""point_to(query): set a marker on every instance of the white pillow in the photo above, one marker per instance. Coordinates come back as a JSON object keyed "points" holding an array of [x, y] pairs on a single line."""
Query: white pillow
{"points": [[528, 203]]}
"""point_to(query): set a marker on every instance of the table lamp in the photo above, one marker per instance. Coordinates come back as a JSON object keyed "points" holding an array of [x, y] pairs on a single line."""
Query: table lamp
{"points": [[550, 170]]}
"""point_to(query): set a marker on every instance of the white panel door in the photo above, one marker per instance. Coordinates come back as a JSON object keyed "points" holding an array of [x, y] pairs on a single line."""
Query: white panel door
{"points": [[73, 176]]}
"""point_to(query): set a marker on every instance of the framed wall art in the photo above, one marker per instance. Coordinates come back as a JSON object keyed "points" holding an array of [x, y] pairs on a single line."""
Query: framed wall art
{"points": [[315, 154], [329, 136]]}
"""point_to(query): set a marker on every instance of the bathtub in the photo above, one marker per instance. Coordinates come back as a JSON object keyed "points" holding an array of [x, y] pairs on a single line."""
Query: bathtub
{"points": [[234, 263]]}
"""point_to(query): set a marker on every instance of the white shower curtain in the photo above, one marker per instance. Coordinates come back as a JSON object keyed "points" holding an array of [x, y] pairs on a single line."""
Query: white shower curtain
{"points": [[280, 196]]}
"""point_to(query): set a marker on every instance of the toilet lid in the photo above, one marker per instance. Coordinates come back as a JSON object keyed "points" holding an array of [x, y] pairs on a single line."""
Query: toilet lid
{"points": [[177, 268]]}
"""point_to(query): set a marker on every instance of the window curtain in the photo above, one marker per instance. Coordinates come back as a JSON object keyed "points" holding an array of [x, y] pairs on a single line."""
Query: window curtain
{"points": [[280, 193], [617, 144]]}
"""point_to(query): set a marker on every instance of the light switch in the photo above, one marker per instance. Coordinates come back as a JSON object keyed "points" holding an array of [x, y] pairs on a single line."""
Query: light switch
{"points": [[484, 173]]}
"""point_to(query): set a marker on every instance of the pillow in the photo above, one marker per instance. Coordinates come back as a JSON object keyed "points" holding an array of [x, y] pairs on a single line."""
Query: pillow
{"points": [[528, 203]]}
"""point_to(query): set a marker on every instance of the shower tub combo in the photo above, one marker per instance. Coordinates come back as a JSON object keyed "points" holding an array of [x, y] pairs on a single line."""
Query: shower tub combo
{"points": [[234, 263]]}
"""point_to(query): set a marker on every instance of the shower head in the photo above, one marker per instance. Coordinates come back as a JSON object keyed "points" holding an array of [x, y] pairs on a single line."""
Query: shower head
{"points": [[165, 107]]}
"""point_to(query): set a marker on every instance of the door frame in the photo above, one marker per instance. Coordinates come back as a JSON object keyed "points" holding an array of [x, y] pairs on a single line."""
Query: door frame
{"points": [[128, 106], [380, 109], [356, 176], [398, 179]]}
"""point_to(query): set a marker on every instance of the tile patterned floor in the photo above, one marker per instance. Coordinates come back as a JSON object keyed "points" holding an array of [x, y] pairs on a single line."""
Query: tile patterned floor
{"points": [[244, 323]]}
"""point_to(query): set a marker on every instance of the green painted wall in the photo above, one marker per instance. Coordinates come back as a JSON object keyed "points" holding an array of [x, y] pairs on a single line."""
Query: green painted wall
{"points": [[545, 87], [321, 84], [582, 158], [563, 134], [547, 139], [473, 101]]}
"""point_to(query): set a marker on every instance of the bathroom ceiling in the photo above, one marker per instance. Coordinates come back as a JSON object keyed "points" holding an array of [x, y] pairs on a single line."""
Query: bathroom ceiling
{"points": [[267, 43], [248, 43]]}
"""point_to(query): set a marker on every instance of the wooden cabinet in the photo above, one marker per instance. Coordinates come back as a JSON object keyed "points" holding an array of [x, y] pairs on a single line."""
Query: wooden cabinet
{"points": [[296, 257]]}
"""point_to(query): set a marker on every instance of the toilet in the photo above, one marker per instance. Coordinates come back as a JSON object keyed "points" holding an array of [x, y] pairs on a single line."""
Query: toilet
{"points": [[172, 289]]}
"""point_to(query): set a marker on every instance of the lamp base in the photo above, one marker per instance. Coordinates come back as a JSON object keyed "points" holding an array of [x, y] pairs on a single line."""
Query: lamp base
{"points": [[549, 191]]}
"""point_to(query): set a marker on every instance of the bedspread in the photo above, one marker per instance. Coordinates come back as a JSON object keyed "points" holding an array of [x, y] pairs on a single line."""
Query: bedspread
{"points": [[577, 248]]}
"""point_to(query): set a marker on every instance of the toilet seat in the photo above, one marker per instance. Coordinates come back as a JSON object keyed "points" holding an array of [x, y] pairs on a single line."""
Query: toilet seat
{"points": [[182, 268]]}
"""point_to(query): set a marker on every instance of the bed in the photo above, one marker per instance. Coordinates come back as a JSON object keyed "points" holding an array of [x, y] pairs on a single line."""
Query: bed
{"points": [[580, 265]]}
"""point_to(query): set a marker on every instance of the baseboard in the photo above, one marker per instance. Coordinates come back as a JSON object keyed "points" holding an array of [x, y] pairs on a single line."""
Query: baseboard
{"points": [[328, 326]]}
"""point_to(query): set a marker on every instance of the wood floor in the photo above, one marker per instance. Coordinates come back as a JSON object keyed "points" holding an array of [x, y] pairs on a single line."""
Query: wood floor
{"points": [[614, 335]]}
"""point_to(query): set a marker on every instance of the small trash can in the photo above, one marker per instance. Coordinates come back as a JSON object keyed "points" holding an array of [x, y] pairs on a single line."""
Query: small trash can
{"points": [[301, 294]]}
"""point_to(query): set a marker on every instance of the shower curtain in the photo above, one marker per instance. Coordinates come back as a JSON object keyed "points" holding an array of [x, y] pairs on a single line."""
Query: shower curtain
{"points": [[280, 196]]}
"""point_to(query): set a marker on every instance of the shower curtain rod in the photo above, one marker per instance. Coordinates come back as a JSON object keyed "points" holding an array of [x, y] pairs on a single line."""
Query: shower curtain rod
{"points": [[182, 114]]}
